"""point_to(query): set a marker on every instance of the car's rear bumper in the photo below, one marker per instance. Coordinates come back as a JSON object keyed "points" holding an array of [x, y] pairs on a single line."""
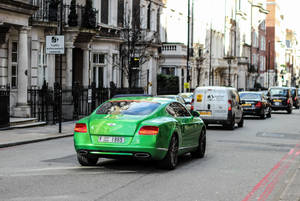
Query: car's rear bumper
{"points": [[144, 153], [282, 107], [255, 112]]}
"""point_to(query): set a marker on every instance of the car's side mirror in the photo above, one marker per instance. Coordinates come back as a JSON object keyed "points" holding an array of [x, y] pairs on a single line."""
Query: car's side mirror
{"points": [[195, 114]]}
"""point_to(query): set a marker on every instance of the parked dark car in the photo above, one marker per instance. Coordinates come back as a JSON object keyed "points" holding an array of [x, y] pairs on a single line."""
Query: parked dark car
{"points": [[294, 92], [255, 104], [281, 99]]}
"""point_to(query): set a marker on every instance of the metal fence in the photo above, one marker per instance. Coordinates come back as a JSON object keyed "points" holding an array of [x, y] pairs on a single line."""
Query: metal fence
{"points": [[4, 106], [76, 102]]}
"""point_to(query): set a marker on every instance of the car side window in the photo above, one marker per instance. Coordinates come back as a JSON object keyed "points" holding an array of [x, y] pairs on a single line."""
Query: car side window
{"points": [[180, 111], [171, 110]]}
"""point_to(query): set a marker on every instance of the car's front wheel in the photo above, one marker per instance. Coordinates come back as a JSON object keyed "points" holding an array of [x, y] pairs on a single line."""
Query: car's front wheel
{"points": [[200, 151], [171, 159], [85, 160]]}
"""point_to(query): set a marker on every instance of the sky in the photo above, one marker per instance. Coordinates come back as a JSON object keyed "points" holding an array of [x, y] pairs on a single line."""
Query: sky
{"points": [[291, 11]]}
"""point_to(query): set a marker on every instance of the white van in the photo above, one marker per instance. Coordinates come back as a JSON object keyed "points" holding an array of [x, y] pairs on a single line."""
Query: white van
{"points": [[218, 105]]}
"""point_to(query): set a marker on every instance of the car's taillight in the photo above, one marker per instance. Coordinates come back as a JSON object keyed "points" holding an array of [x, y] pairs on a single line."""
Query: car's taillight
{"points": [[149, 130], [258, 104], [192, 106], [80, 128], [230, 105]]}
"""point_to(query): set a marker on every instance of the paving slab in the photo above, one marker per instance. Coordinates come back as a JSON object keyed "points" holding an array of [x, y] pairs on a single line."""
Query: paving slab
{"points": [[13, 137]]}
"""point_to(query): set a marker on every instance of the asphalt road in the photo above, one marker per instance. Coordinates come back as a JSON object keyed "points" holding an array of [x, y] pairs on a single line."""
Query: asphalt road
{"points": [[251, 163]]}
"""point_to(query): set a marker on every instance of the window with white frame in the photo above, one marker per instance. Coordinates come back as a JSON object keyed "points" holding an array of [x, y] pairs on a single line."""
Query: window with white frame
{"points": [[263, 43], [99, 63], [42, 62], [262, 63], [115, 70], [14, 65]]}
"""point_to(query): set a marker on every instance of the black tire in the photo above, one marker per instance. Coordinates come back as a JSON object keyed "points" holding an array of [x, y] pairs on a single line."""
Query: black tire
{"points": [[241, 123], [263, 115], [231, 125], [200, 151], [289, 111], [86, 160], [171, 159], [269, 115]]}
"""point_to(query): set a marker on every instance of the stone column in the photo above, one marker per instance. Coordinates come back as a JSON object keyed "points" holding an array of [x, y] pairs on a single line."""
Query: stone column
{"points": [[22, 109], [69, 66], [85, 69]]}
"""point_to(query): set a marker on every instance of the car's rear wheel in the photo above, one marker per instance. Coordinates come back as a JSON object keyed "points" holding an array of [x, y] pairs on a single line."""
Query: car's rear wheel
{"points": [[241, 123], [171, 159], [263, 115], [200, 151], [269, 115], [231, 125], [87, 160]]}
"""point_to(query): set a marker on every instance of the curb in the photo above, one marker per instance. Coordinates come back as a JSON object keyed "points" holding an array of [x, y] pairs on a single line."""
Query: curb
{"points": [[33, 141]]}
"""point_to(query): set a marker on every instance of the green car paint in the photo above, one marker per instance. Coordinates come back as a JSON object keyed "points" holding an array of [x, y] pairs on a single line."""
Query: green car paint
{"points": [[186, 128]]}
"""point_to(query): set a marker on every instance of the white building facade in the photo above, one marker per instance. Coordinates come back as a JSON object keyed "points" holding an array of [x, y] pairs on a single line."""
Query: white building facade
{"points": [[92, 52]]}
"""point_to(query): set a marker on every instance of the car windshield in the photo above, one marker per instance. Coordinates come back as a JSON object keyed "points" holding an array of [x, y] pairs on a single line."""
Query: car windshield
{"points": [[250, 96], [279, 92], [127, 107]]}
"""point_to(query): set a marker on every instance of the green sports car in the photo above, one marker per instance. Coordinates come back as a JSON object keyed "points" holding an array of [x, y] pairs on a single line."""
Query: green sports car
{"points": [[140, 127]]}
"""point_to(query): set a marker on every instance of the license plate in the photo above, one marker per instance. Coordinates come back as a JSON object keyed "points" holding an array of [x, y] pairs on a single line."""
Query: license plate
{"points": [[109, 139], [277, 103], [205, 113], [246, 104], [277, 100]]}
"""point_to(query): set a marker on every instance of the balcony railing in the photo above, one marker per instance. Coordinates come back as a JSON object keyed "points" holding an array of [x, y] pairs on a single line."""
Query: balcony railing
{"points": [[80, 10], [49, 12]]}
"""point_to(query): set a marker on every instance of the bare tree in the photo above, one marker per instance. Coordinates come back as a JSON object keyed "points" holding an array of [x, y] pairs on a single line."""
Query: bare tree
{"points": [[135, 50]]}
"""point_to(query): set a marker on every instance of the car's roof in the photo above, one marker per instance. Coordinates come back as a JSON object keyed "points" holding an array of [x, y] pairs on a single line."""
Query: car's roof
{"points": [[251, 92], [144, 98], [216, 87], [280, 87]]}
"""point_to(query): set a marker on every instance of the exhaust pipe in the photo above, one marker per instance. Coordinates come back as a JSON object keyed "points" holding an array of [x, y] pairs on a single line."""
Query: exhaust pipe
{"points": [[83, 152], [142, 155]]}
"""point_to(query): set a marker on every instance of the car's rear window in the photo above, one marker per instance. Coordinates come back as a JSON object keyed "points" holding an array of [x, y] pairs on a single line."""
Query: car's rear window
{"points": [[128, 107], [250, 96], [278, 92], [293, 91]]}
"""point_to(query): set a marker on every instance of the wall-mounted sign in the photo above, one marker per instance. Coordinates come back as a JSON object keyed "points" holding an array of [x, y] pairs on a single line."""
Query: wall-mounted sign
{"points": [[55, 44]]}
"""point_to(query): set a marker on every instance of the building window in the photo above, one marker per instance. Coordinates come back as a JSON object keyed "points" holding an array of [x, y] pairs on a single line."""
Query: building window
{"points": [[99, 63], [168, 70], [135, 77], [120, 13], [14, 65], [42, 60], [149, 16], [104, 11], [115, 68]]}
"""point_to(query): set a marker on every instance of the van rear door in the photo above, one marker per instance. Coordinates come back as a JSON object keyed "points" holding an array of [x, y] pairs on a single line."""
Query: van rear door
{"points": [[217, 101]]}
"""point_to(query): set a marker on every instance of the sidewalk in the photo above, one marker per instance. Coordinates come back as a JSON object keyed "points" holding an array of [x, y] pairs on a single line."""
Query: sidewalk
{"points": [[20, 136]]}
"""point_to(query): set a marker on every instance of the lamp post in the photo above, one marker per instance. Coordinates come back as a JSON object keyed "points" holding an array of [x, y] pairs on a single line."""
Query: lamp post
{"points": [[60, 31], [269, 62], [188, 43]]}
